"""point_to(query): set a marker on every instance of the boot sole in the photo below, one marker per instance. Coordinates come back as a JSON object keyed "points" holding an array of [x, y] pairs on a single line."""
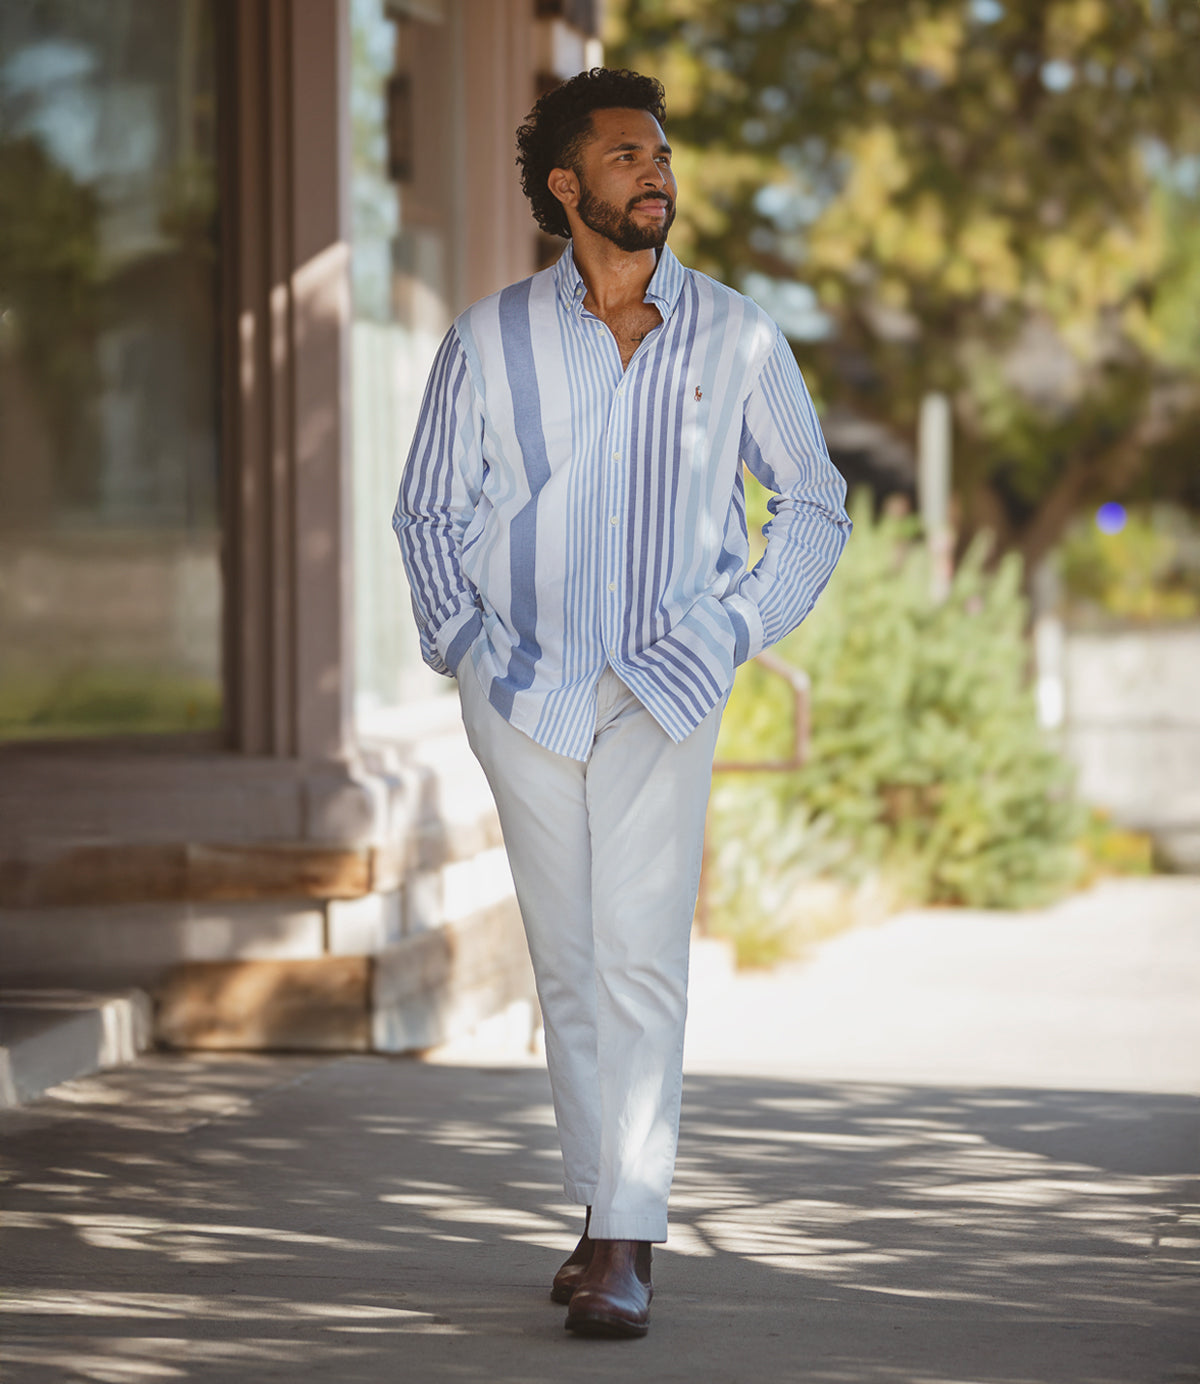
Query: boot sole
{"points": [[599, 1324]]}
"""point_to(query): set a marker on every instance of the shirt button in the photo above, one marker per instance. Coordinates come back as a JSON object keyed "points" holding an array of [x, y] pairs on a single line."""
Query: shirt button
{"points": [[616, 456], [612, 519], [612, 586]]}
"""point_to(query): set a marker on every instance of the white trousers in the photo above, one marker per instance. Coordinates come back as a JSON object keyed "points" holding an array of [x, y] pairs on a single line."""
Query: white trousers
{"points": [[606, 855]]}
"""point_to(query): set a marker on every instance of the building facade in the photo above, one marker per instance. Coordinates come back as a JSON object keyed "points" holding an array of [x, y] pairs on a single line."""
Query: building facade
{"points": [[235, 231]]}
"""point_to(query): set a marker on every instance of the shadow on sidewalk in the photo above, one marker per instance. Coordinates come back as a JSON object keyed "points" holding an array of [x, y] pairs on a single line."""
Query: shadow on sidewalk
{"points": [[366, 1218]]}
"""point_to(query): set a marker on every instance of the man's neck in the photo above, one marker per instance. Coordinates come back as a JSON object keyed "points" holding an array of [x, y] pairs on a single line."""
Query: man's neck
{"points": [[614, 278]]}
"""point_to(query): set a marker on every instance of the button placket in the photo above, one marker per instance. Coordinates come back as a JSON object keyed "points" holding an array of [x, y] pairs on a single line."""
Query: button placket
{"points": [[613, 497]]}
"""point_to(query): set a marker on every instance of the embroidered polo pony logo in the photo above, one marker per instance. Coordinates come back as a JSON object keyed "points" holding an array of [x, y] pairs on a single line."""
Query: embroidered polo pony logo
{"points": [[699, 396]]}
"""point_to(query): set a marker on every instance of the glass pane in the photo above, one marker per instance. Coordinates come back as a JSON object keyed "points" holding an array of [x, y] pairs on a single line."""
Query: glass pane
{"points": [[401, 197], [110, 586]]}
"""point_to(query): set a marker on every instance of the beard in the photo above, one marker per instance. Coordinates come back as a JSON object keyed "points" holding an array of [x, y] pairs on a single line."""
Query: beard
{"points": [[616, 224]]}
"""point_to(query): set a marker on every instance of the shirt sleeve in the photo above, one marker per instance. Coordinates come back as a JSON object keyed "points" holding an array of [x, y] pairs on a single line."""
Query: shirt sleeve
{"points": [[783, 447], [439, 491]]}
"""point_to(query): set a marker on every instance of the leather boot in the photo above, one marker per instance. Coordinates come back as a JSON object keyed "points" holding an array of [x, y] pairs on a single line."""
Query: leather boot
{"points": [[566, 1280], [613, 1296]]}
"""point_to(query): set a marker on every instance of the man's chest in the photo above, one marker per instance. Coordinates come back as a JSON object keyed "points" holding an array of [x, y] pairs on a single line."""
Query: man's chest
{"points": [[564, 398], [630, 326]]}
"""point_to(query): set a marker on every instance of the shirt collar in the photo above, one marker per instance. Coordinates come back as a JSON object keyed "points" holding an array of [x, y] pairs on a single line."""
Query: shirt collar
{"points": [[663, 290]]}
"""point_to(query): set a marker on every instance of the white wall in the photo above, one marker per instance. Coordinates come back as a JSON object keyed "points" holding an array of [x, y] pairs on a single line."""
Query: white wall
{"points": [[1132, 726]]}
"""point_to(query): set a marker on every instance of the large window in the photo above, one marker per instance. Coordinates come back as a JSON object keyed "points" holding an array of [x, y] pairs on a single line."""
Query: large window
{"points": [[110, 588], [405, 113]]}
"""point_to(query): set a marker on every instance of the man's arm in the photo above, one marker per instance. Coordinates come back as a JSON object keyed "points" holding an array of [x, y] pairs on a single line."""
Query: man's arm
{"points": [[783, 447], [438, 494]]}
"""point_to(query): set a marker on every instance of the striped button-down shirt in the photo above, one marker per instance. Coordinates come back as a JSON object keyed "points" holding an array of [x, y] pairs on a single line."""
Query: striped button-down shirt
{"points": [[558, 513]]}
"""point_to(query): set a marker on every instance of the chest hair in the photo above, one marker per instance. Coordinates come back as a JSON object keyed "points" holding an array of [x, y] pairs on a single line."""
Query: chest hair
{"points": [[630, 326]]}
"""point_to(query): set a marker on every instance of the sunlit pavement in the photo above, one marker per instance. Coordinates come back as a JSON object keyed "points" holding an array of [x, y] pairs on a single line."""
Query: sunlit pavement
{"points": [[953, 1148]]}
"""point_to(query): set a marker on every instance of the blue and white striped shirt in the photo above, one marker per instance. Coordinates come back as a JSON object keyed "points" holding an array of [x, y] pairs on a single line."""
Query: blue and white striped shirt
{"points": [[558, 513]]}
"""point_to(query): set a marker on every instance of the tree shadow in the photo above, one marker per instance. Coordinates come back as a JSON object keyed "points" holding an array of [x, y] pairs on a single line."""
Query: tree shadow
{"points": [[362, 1218]]}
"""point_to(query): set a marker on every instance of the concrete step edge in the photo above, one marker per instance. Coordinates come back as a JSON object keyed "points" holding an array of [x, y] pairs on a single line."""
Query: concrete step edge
{"points": [[48, 1036]]}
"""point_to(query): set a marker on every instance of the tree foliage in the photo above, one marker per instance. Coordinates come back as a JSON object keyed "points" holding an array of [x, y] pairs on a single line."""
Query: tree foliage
{"points": [[50, 282], [993, 198]]}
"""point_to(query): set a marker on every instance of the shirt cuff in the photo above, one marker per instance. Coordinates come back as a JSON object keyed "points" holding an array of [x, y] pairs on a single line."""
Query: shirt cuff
{"points": [[749, 640], [454, 633]]}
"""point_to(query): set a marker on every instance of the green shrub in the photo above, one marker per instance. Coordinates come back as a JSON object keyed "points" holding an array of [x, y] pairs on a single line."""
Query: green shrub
{"points": [[927, 767], [1108, 849]]}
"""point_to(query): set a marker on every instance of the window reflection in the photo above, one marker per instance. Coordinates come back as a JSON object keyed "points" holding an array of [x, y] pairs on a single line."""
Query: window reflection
{"points": [[403, 86], [110, 588]]}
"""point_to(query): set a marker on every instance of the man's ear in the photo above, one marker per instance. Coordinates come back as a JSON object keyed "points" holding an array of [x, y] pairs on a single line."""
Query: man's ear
{"points": [[564, 185]]}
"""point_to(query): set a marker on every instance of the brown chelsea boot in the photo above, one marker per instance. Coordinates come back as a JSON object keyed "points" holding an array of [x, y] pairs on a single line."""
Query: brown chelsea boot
{"points": [[612, 1297]]}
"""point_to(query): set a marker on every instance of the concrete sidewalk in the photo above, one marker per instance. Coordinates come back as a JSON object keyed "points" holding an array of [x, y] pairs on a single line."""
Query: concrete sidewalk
{"points": [[1101, 992], [906, 1206]]}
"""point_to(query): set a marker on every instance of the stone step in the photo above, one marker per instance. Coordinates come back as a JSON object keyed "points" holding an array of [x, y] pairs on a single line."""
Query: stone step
{"points": [[51, 1036]]}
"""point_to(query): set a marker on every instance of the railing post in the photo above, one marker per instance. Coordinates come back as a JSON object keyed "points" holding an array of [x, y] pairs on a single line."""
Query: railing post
{"points": [[801, 725]]}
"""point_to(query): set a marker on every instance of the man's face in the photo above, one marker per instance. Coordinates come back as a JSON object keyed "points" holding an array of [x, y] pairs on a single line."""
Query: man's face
{"points": [[626, 187]]}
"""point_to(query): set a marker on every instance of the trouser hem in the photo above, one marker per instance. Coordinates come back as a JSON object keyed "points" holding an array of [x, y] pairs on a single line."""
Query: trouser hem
{"points": [[580, 1193], [620, 1226]]}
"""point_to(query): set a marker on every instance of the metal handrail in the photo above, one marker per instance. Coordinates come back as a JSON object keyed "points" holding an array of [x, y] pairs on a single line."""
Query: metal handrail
{"points": [[801, 701], [801, 728]]}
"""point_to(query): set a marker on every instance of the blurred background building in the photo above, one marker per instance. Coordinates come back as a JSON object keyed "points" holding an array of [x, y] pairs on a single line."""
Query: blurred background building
{"points": [[232, 233]]}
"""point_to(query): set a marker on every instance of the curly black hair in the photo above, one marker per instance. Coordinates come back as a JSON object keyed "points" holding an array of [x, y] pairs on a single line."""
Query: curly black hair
{"points": [[554, 131]]}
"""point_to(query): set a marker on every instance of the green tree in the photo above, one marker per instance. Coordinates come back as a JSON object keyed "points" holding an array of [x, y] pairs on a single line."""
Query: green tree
{"points": [[993, 198]]}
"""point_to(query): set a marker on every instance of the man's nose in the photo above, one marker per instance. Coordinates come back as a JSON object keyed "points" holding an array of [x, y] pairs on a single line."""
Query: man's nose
{"points": [[654, 176]]}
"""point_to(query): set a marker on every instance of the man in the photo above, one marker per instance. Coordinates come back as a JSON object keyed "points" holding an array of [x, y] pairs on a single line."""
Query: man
{"points": [[572, 521]]}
